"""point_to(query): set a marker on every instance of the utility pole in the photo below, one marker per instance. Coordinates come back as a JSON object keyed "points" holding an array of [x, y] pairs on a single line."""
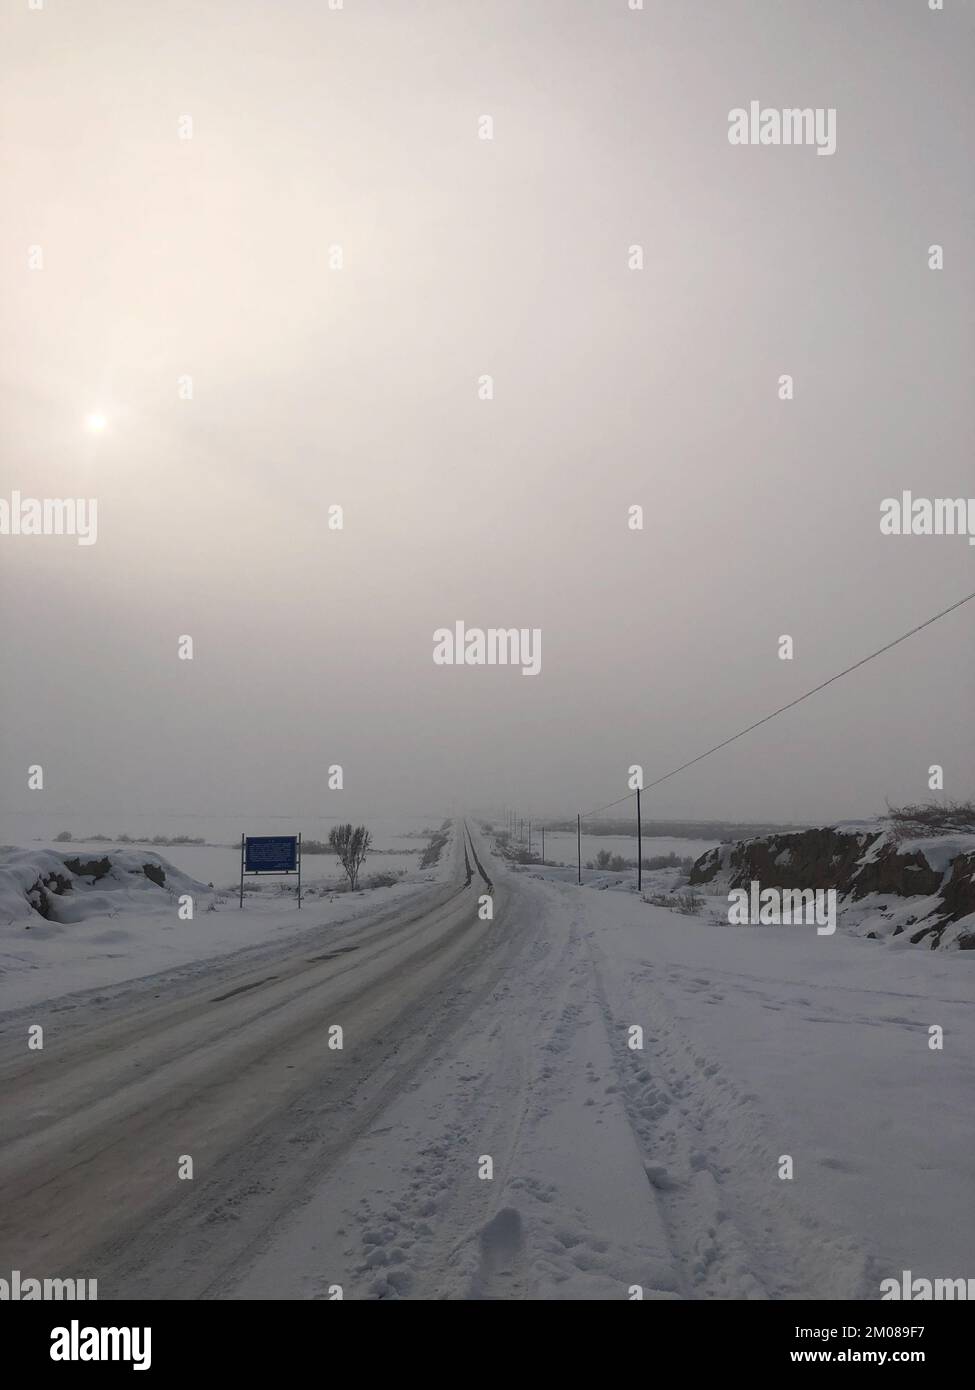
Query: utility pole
{"points": [[529, 837], [579, 845], [639, 846], [543, 844]]}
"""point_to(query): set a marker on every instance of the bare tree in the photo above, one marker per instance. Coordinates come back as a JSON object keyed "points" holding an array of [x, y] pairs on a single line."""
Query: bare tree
{"points": [[351, 845]]}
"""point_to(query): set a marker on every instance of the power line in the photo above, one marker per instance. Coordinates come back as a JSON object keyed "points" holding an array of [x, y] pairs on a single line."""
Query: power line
{"points": [[619, 802], [791, 705]]}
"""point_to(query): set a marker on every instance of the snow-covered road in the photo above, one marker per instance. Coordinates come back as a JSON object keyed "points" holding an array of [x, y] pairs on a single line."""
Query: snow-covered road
{"points": [[487, 1130]]}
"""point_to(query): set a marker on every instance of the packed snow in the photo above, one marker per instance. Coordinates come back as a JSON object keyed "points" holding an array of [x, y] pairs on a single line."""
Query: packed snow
{"points": [[657, 1168]]}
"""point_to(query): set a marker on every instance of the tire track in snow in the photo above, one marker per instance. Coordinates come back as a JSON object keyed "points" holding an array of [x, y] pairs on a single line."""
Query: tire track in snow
{"points": [[569, 1213], [737, 1230], [480, 866]]}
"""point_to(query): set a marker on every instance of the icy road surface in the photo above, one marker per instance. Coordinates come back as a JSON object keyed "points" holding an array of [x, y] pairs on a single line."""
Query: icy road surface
{"points": [[467, 1040]]}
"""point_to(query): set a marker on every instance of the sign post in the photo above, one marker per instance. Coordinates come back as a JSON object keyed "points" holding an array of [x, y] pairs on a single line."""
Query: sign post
{"points": [[270, 854]]}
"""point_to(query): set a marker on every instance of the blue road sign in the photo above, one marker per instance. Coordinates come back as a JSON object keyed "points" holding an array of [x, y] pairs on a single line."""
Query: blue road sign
{"points": [[270, 854]]}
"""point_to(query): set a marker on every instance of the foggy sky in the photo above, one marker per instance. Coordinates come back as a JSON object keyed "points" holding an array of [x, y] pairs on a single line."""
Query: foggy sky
{"points": [[209, 257]]}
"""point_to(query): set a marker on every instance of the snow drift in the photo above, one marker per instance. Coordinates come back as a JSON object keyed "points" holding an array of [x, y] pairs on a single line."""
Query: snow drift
{"points": [[55, 886]]}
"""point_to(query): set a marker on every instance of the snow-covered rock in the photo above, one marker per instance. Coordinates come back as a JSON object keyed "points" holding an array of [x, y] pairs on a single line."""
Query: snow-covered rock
{"points": [[65, 886], [886, 885]]}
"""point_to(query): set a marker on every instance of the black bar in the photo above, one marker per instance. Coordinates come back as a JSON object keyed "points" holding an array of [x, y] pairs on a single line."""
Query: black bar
{"points": [[242, 1338]]}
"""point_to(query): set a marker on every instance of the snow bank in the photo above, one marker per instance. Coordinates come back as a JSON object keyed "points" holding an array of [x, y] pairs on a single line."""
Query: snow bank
{"points": [[38, 885]]}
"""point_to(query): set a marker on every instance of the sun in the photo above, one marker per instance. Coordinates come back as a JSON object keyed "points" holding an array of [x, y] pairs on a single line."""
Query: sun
{"points": [[96, 423]]}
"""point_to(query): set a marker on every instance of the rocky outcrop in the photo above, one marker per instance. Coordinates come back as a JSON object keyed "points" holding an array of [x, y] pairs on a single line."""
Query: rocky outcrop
{"points": [[39, 894], [90, 868], [886, 886]]}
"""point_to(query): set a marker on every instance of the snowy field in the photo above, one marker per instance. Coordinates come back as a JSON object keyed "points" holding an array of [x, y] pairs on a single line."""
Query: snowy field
{"points": [[125, 933], [660, 1166], [220, 864], [397, 842], [560, 846], [397, 845]]}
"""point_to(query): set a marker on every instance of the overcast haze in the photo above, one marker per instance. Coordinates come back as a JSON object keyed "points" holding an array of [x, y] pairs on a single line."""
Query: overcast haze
{"points": [[209, 257]]}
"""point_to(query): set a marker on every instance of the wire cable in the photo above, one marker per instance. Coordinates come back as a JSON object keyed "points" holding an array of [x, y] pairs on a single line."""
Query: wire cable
{"points": [[791, 705]]}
